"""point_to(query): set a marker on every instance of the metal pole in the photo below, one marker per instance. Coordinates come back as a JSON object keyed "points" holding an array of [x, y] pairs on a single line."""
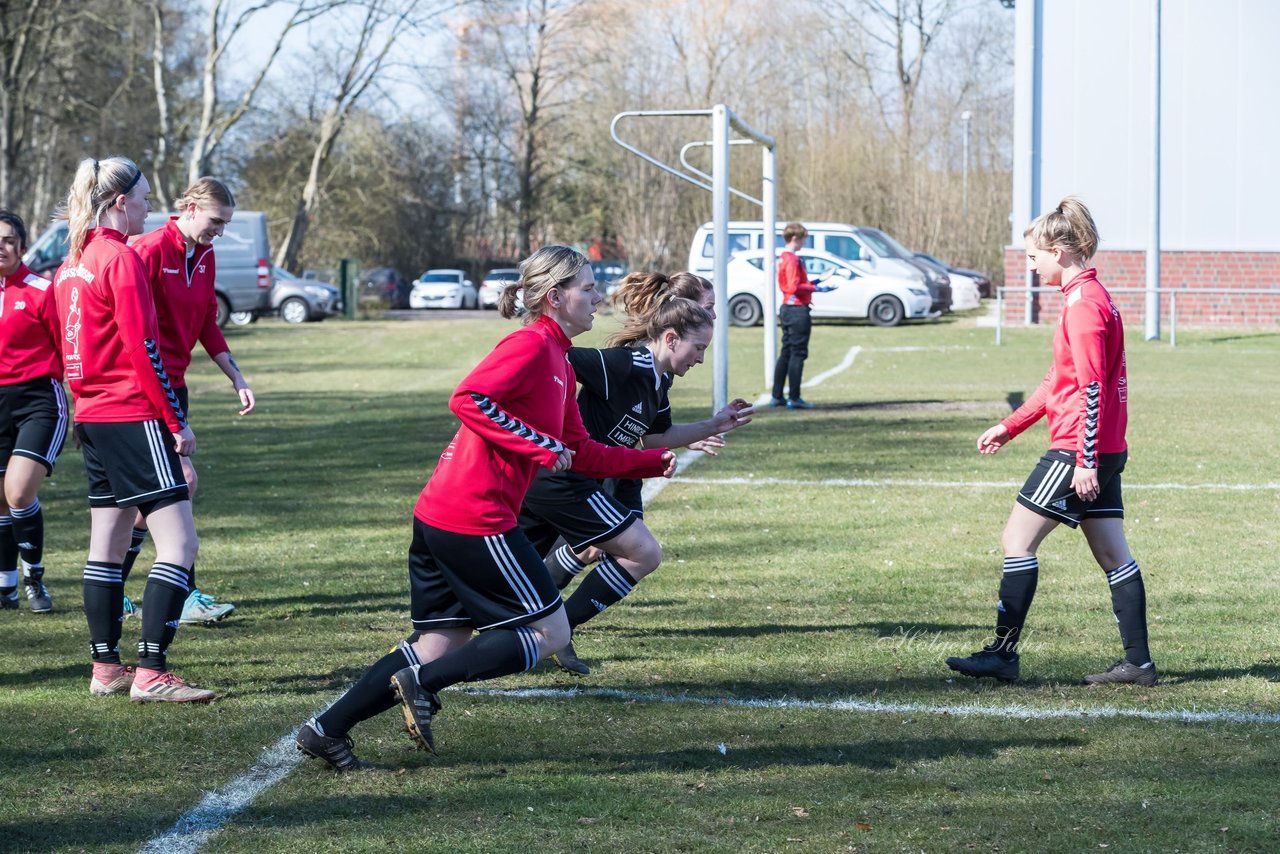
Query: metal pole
{"points": [[1037, 98], [720, 215], [769, 215], [1153, 249], [999, 314], [965, 118], [1173, 318]]}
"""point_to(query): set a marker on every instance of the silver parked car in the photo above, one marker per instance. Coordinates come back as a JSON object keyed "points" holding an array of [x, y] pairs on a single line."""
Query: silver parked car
{"points": [[302, 300]]}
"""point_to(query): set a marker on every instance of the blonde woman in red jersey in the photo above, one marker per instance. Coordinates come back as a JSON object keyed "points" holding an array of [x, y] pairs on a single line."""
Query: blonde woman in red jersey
{"points": [[181, 265], [33, 415], [471, 568], [130, 427], [1085, 398]]}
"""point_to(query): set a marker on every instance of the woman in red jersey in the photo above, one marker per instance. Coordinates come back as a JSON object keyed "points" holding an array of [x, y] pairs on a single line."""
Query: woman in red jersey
{"points": [[33, 414], [181, 266], [1085, 398], [471, 569], [130, 427]]}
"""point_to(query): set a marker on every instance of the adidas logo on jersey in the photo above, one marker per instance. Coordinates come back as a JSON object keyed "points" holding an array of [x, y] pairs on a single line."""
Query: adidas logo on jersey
{"points": [[638, 409]]}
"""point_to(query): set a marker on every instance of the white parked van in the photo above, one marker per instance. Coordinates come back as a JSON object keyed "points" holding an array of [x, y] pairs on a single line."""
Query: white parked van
{"points": [[835, 238]]}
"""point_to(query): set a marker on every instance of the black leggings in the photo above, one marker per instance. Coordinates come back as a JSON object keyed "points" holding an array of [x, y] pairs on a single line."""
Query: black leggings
{"points": [[796, 325]]}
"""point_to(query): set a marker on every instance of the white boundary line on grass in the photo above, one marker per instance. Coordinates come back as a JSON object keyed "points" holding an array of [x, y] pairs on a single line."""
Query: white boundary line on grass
{"points": [[954, 484], [195, 827], [1011, 710]]}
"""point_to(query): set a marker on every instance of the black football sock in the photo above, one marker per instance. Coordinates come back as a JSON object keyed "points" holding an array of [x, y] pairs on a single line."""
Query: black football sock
{"points": [[1129, 602], [28, 530], [135, 546], [497, 652], [104, 609], [370, 696], [1017, 589], [608, 583], [8, 557], [167, 587], [564, 565]]}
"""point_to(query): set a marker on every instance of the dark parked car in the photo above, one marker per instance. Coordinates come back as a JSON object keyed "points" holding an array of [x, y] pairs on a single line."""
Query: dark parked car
{"points": [[608, 273], [935, 276], [387, 285], [983, 282], [302, 300]]}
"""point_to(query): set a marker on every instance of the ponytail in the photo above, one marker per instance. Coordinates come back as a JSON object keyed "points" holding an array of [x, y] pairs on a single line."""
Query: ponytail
{"points": [[96, 186], [642, 295], [1069, 226]]}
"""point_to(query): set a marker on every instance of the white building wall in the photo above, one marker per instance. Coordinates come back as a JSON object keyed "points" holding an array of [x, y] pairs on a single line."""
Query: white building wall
{"points": [[1220, 170]]}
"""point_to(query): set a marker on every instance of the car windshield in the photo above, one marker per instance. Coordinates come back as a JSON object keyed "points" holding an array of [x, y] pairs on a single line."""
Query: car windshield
{"points": [[886, 244], [503, 275], [439, 277]]}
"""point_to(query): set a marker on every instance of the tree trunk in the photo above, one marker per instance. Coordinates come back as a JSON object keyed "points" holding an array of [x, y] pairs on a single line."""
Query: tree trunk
{"points": [[160, 168]]}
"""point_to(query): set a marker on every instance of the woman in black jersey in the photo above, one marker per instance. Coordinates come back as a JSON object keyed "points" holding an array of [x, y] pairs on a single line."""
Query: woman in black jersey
{"points": [[623, 400]]}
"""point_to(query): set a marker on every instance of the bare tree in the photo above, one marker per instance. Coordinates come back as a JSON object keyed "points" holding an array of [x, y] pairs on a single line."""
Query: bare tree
{"points": [[223, 25], [26, 31], [359, 66]]}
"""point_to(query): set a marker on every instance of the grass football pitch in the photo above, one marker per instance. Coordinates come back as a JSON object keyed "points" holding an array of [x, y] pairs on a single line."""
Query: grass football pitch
{"points": [[777, 685]]}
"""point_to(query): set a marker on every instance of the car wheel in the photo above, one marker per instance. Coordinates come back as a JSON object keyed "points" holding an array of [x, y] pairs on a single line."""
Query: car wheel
{"points": [[294, 310], [241, 318], [744, 310], [224, 311], [886, 311]]}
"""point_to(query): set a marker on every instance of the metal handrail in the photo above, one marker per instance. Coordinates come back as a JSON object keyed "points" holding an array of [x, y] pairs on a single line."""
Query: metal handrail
{"points": [[1171, 292]]}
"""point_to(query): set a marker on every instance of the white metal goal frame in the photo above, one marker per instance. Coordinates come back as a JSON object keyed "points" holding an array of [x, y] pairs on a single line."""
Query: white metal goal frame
{"points": [[723, 122]]}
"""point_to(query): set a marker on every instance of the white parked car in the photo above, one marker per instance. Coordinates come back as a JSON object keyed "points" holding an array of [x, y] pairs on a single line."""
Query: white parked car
{"points": [[884, 300], [965, 293], [443, 289], [495, 282]]}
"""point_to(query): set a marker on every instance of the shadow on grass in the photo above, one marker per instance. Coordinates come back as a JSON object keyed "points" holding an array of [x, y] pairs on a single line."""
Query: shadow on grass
{"points": [[42, 675], [1269, 671], [891, 631], [877, 755]]}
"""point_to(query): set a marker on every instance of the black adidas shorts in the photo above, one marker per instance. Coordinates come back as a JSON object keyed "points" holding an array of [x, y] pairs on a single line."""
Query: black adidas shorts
{"points": [[33, 421], [131, 464], [574, 507], [628, 492], [1048, 489], [479, 582]]}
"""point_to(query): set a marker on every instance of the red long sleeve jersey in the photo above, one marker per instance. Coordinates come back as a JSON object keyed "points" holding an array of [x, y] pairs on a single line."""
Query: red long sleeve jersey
{"points": [[1086, 392], [110, 347], [518, 413], [186, 305], [29, 335], [793, 281]]}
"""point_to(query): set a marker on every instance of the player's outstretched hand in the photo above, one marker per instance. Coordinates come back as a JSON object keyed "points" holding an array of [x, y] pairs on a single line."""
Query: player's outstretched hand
{"points": [[708, 445], [247, 400], [564, 462], [670, 459], [184, 442], [992, 440], [735, 414]]}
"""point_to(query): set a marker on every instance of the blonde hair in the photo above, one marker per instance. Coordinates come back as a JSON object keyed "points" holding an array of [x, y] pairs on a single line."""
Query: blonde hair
{"points": [[1069, 226], [550, 267], [640, 295], [95, 187], [205, 193]]}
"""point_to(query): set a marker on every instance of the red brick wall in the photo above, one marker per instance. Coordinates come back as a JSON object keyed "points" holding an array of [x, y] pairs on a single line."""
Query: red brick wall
{"points": [[1128, 269]]}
